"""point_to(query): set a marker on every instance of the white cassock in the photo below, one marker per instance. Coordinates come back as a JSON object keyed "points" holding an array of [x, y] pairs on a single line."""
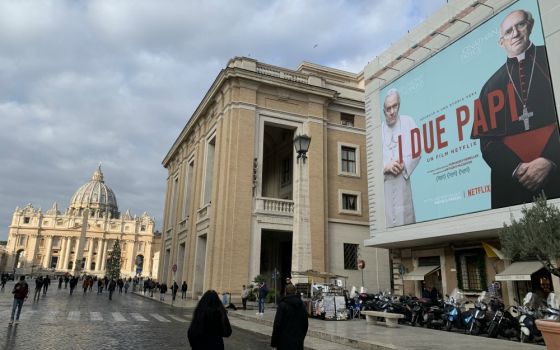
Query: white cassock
{"points": [[399, 209]]}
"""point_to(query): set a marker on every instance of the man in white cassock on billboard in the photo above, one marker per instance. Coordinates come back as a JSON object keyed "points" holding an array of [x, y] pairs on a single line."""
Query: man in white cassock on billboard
{"points": [[398, 163]]}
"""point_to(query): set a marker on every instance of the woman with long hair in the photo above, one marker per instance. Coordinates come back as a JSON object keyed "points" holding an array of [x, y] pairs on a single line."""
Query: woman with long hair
{"points": [[209, 324]]}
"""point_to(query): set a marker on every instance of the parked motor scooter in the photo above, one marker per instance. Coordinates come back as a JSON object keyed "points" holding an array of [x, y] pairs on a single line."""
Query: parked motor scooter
{"points": [[528, 313], [552, 311], [455, 314], [478, 321], [433, 315]]}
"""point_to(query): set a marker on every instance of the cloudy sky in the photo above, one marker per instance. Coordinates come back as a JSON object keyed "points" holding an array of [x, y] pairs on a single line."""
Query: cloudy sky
{"points": [[83, 82]]}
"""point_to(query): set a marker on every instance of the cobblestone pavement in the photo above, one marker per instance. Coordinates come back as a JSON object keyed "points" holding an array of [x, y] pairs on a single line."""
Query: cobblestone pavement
{"points": [[92, 321]]}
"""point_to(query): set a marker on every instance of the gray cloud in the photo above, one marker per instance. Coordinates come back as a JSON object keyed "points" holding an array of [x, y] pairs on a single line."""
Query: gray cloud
{"points": [[116, 81]]}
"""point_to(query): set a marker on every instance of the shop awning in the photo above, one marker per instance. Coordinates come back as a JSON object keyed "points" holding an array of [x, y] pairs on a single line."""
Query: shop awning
{"points": [[519, 271], [419, 273]]}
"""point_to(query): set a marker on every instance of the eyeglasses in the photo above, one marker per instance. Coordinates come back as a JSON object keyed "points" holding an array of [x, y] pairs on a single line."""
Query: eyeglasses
{"points": [[508, 33]]}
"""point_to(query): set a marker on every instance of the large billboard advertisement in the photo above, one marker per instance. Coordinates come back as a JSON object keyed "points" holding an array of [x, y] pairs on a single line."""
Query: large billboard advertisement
{"points": [[475, 126]]}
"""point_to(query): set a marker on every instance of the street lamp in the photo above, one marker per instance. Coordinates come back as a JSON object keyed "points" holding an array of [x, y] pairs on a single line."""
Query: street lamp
{"points": [[301, 235], [301, 144]]}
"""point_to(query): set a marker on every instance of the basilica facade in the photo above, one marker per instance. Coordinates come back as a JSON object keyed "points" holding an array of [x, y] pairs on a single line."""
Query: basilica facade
{"points": [[80, 240]]}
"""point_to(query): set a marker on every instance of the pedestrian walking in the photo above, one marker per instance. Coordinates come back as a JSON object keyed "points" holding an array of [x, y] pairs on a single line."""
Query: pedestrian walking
{"points": [[162, 291], [184, 287], [120, 284], [210, 323], [174, 289], [73, 284], [100, 286], [46, 284], [126, 286], [263, 291], [111, 288], [4, 280], [38, 287], [60, 280], [290, 322], [85, 284], [288, 283], [20, 291], [66, 280], [244, 296]]}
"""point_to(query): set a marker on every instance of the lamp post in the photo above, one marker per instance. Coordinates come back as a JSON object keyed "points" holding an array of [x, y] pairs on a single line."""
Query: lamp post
{"points": [[301, 144], [301, 240]]}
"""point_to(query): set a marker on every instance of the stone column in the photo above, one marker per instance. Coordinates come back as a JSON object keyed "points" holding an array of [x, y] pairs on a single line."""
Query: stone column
{"points": [[48, 252], [130, 256], [34, 243], [89, 255], [67, 253], [99, 254], [104, 255], [301, 243], [61, 254], [79, 254], [147, 268]]}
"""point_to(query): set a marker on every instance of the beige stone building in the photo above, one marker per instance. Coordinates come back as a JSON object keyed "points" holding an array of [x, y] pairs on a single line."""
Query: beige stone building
{"points": [[239, 200], [80, 240]]}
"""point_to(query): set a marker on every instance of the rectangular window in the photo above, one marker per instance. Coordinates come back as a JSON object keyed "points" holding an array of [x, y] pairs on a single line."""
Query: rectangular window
{"points": [[348, 159], [350, 256], [471, 270], [349, 202], [286, 171], [143, 228], [54, 261], [26, 220], [188, 190], [21, 240], [174, 192], [209, 171], [347, 119]]}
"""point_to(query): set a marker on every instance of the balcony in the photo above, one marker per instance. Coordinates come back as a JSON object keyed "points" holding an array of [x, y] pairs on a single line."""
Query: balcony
{"points": [[274, 206]]}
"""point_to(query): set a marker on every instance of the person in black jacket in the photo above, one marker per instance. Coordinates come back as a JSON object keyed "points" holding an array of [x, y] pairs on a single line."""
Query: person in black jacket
{"points": [[290, 322], [210, 323]]}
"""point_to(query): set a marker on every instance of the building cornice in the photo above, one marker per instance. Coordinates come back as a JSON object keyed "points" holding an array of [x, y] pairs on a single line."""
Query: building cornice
{"points": [[233, 71]]}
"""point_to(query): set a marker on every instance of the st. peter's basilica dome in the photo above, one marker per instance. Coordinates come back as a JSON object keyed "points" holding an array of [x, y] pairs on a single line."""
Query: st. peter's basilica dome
{"points": [[96, 196]]}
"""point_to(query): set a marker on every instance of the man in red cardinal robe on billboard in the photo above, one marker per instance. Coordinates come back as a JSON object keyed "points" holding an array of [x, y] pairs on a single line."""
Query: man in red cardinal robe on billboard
{"points": [[517, 123]]}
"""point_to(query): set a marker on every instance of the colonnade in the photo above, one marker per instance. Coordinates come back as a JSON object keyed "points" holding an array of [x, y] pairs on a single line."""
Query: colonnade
{"points": [[101, 247]]}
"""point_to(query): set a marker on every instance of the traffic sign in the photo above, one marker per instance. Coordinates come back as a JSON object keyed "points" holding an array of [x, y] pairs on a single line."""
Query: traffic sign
{"points": [[361, 264]]}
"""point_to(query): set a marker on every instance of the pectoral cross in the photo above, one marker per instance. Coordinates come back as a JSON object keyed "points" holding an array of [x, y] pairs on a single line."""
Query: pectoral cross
{"points": [[525, 117]]}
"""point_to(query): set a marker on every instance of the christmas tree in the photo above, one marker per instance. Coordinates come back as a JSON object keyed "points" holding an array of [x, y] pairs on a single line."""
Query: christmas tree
{"points": [[114, 263]]}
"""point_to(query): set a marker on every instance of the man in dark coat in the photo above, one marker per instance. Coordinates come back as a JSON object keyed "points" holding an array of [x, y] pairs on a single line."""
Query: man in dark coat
{"points": [[111, 288], [516, 120], [290, 322]]}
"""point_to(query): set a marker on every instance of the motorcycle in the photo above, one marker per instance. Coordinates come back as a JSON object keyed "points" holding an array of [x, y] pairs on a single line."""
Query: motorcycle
{"points": [[503, 323]]}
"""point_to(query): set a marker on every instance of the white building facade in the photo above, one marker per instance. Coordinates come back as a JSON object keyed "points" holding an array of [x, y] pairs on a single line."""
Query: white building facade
{"points": [[80, 240], [439, 70]]}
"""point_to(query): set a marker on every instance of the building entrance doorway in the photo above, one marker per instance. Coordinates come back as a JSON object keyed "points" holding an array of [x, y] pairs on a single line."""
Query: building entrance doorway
{"points": [[276, 258]]}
